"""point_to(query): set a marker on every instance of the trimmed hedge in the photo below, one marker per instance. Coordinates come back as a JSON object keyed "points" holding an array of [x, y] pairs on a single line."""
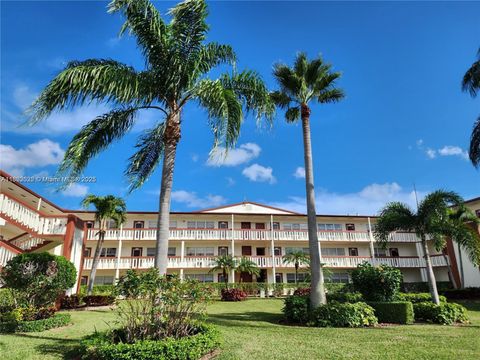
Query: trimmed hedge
{"points": [[296, 309], [445, 313], [343, 315], [70, 302], [55, 321], [100, 347], [99, 300], [418, 297], [397, 312], [98, 290], [470, 293], [420, 287]]}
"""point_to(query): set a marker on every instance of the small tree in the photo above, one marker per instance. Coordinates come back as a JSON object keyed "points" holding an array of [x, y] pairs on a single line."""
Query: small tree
{"points": [[297, 258], [377, 283], [246, 266], [37, 279], [225, 263], [106, 208]]}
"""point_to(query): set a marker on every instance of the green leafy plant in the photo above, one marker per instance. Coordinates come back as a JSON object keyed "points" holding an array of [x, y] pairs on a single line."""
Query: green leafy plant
{"points": [[246, 266], [55, 321], [377, 283], [297, 258], [37, 279], [296, 309], [397, 312], [445, 313], [343, 315], [226, 264], [418, 297], [98, 300]]}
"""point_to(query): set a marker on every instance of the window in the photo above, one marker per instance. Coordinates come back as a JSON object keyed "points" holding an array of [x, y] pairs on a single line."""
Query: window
{"points": [[108, 252], [289, 250], [222, 250], [221, 279], [111, 224], [260, 251], [171, 251], [191, 224], [288, 226], [200, 224], [279, 278], [352, 251], [137, 251], [89, 224], [87, 252], [350, 227], [394, 252], [277, 251], [379, 252], [152, 224], [223, 224], [84, 280], [276, 226], [173, 224], [300, 277], [333, 251], [339, 278], [200, 277], [329, 227], [139, 224], [199, 251], [103, 280]]}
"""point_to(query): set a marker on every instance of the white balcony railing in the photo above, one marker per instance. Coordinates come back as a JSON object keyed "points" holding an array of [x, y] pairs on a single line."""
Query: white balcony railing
{"points": [[238, 234], [27, 242], [205, 262], [31, 219], [6, 253]]}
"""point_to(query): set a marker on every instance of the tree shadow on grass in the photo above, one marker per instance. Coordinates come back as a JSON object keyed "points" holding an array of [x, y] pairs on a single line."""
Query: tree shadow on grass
{"points": [[255, 318], [66, 348]]}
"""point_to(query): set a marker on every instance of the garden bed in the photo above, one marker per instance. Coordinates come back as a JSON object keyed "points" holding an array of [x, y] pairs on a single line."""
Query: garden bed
{"points": [[57, 320]]}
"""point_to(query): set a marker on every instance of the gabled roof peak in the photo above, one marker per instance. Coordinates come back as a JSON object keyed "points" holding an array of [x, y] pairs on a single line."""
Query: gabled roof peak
{"points": [[248, 207]]}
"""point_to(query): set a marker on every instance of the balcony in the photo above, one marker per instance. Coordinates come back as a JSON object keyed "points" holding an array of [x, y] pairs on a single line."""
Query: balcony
{"points": [[31, 219], [207, 262], [241, 235]]}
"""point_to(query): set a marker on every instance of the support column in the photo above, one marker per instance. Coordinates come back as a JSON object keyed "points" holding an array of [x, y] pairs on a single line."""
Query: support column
{"points": [[182, 253], [39, 205], [231, 276], [181, 275], [119, 253], [370, 235], [272, 245]]}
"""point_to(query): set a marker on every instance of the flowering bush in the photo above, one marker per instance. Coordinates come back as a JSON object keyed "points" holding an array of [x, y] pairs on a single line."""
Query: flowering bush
{"points": [[233, 295], [377, 283]]}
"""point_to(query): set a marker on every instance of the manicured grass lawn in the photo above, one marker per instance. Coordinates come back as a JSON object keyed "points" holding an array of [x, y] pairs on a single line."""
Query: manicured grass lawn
{"points": [[251, 330]]}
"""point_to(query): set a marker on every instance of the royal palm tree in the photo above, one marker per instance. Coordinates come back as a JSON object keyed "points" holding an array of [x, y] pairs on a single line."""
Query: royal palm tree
{"points": [[106, 208], [177, 64], [224, 263], [296, 258], [433, 223], [471, 84], [246, 266], [307, 82]]}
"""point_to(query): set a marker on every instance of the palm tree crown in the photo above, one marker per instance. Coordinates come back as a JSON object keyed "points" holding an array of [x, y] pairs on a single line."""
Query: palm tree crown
{"points": [[246, 266], [224, 263], [471, 84], [107, 207]]}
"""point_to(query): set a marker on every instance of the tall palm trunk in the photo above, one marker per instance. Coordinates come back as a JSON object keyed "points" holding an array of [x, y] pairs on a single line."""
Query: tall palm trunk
{"points": [[171, 138], [432, 284], [96, 259], [296, 272], [317, 294]]}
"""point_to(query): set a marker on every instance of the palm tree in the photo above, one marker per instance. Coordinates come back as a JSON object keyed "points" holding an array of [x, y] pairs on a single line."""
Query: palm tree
{"points": [[433, 223], [224, 263], [471, 84], [106, 208], [246, 266], [177, 62], [297, 258], [308, 81]]}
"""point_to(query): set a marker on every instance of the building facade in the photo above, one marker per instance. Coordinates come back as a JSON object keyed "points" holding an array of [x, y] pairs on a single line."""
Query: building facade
{"points": [[263, 234]]}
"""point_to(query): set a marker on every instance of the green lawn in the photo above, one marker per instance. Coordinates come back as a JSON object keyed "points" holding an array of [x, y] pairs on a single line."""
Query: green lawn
{"points": [[251, 331]]}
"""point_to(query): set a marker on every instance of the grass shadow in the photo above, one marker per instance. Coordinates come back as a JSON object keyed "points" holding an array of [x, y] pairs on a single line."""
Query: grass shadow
{"points": [[252, 319]]}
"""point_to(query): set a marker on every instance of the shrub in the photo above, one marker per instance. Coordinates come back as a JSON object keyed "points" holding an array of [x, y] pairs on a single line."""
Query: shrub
{"points": [[99, 300], [98, 290], [70, 302], [377, 283], [445, 313], [419, 287], [350, 297], [35, 325], [398, 312], [7, 301], [37, 279], [233, 295], [295, 309], [343, 315], [302, 291], [418, 297], [470, 293], [100, 347]]}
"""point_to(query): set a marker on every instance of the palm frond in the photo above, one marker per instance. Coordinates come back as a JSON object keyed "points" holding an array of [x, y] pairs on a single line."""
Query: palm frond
{"points": [[290, 84], [471, 79], [300, 65], [143, 20], [436, 204], [95, 137], [107, 207], [474, 151], [330, 96], [91, 80], [292, 114], [142, 164], [212, 55], [395, 216], [281, 99]]}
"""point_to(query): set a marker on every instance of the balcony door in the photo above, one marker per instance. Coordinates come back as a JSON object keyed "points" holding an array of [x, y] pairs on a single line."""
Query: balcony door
{"points": [[138, 224], [246, 251], [222, 250], [137, 252], [260, 226], [245, 225], [260, 251]]}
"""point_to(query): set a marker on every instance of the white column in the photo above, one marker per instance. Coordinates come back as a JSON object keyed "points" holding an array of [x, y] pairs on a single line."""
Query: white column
{"points": [[273, 250], [119, 253], [370, 234], [182, 252], [181, 275], [232, 249], [39, 204]]}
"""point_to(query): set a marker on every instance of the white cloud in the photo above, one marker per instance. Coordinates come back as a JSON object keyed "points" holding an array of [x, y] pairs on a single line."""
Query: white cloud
{"points": [[299, 173], [233, 157], [75, 190], [367, 201], [432, 154], [449, 150], [23, 96], [192, 200], [230, 181], [41, 153], [259, 173], [113, 42], [195, 157]]}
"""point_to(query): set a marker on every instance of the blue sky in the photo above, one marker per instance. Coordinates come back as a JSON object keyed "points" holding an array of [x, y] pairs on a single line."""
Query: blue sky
{"points": [[404, 120]]}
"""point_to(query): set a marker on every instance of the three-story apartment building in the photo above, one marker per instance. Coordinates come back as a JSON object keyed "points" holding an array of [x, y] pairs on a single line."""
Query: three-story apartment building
{"points": [[259, 232]]}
